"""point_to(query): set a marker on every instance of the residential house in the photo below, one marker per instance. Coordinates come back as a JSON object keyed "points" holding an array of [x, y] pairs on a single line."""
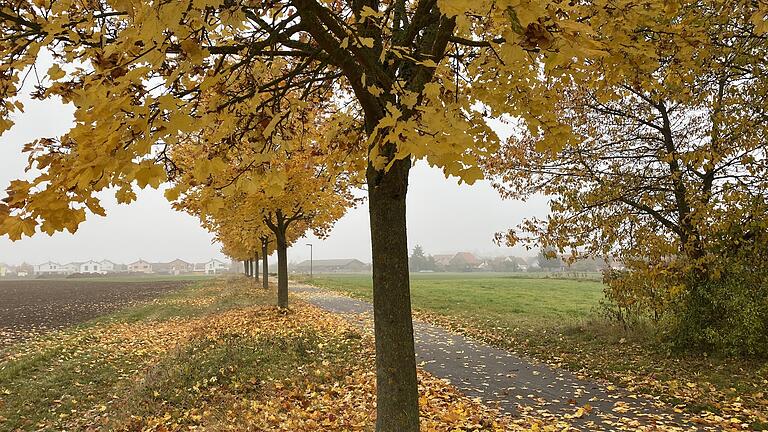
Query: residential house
{"points": [[349, 265], [215, 266], [442, 261], [108, 266], [3, 270], [71, 268], [177, 267], [464, 261], [533, 263], [24, 270], [161, 268], [50, 268], [514, 263], [140, 266], [90, 267]]}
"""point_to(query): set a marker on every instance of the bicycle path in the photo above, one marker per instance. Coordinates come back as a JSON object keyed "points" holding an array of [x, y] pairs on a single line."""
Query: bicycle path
{"points": [[516, 384]]}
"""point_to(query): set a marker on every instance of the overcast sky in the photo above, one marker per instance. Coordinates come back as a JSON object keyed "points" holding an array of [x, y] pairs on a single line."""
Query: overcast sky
{"points": [[443, 217]]}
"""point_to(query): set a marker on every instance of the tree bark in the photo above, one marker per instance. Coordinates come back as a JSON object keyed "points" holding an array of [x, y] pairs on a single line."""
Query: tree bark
{"points": [[282, 267], [265, 279], [397, 395], [245, 268]]}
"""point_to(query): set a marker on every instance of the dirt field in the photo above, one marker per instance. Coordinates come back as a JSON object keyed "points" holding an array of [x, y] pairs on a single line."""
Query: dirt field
{"points": [[31, 307]]}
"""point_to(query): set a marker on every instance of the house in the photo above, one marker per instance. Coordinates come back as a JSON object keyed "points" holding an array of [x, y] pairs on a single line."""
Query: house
{"points": [[464, 261], [215, 266], [108, 266], [50, 268], [90, 267], [349, 265], [25, 270], [518, 263], [533, 263], [3, 270], [73, 267], [177, 267], [140, 266], [161, 268], [442, 260]]}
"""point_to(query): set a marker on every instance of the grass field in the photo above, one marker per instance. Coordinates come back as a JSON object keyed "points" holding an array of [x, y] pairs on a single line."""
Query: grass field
{"points": [[506, 298], [558, 321]]}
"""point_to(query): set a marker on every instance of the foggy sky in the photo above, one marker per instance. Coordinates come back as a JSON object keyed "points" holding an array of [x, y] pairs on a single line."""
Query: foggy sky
{"points": [[443, 217]]}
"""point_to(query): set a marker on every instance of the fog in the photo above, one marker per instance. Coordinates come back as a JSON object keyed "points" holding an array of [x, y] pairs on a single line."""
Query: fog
{"points": [[443, 216]]}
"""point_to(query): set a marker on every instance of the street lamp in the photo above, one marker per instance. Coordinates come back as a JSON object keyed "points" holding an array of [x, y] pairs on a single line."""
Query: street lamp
{"points": [[310, 259]]}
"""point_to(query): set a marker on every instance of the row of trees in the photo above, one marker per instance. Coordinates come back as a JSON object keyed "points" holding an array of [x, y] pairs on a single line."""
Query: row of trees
{"points": [[263, 115]]}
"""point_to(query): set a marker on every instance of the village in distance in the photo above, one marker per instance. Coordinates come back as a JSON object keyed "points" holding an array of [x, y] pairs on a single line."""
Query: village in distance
{"points": [[420, 262]]}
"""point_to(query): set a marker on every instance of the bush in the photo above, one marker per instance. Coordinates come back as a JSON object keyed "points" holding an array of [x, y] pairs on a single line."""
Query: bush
{"points": [[728, 315], [717, 305]]}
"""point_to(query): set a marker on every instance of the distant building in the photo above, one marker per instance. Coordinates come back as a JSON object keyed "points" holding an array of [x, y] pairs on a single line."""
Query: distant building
{"points": [[522, 264], [350, 265], [108, 266], [533, 263], [90, 267], [215, 266], [73, 267], [3, 270], [25, 270], [161, 268], [177, 267], [442, 260], [140, 266], [50, 268], [464, 261]]}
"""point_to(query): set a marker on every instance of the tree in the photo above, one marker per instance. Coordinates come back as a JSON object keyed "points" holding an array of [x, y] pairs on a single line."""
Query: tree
{"points": [[309, 199], [418, 261], [548, 259], [668, 155], [422, 76]]}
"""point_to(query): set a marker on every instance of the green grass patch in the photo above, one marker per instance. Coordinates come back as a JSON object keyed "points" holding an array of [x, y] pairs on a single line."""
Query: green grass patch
{"points": [[507, 299], [194, 300]]}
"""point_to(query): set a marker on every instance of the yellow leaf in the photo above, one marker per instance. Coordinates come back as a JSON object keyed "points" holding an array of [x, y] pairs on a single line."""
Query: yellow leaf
{"points": [[55, 72], [368, 42], [193, 50]]}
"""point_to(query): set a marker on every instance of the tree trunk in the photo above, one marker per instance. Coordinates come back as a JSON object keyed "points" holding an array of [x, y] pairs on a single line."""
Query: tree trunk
{"points": [[282, 267], [256, 266], [245, 268], [265, 279], [397, 407]]}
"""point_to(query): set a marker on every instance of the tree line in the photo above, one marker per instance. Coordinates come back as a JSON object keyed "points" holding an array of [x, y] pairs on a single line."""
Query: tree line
{"points": [[645, 123]]}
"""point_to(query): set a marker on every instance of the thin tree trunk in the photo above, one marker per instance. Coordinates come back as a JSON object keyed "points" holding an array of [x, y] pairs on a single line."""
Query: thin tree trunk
{"points": [[245, 268], [282, 266], [256, 266], [397, 386], [265, 279]]}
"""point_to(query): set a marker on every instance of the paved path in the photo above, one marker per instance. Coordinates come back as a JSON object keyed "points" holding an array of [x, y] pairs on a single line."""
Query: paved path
{"points": [[513, 383]]}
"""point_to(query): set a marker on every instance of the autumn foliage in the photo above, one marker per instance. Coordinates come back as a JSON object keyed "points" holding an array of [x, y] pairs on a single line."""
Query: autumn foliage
{"points": [[646, 121], [666, 170]]}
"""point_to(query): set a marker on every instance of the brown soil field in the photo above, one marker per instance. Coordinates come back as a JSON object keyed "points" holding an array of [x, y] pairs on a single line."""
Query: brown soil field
{"points": [[32, 307]]}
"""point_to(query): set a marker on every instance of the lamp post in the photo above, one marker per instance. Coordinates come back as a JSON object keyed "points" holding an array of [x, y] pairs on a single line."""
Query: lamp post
{"points": [[310, 259]]}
